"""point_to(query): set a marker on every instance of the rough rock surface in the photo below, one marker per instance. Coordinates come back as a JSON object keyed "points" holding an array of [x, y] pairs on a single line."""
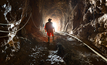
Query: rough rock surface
{"points": [[87, 19]]}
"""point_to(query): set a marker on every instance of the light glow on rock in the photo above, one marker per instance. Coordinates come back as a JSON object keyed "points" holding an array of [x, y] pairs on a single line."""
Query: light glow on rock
{"points": [[104, 17], [55, 26], [71, 32]]}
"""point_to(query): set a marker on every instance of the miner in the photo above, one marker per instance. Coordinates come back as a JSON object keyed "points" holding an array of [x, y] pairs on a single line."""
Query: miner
{"points": [[49, 29]]}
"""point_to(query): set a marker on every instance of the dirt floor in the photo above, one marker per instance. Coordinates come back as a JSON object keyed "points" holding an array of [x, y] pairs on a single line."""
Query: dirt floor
{"points": [[63, 51]]}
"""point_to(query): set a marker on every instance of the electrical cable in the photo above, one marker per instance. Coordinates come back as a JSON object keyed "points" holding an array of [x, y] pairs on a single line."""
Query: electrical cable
{"points": [[3, 36], [4, 31], [34, 23], [103, 57], [24, 24], [14, 31], [3, 24]]}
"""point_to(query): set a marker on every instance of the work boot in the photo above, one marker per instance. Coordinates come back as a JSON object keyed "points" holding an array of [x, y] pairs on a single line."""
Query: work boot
{"points": [[48, 39]]}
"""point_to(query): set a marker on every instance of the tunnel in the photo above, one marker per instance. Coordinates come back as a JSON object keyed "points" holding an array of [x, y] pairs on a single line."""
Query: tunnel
{"points": [[80, 36]]}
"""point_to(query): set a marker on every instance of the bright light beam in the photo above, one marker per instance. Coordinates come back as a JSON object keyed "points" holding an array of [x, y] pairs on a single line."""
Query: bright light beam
{"points": [[54, 25]]}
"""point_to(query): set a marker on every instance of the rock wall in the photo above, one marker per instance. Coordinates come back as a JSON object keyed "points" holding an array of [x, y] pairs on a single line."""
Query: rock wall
{"points": [[89, 21], [11, 15]]}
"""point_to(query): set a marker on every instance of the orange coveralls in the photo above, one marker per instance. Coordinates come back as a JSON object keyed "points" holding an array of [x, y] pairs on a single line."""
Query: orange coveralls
{"points": [[49, 28]]}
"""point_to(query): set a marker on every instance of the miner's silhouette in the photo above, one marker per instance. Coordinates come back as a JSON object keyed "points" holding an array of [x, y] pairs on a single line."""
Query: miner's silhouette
{"points": [[49, 29]]}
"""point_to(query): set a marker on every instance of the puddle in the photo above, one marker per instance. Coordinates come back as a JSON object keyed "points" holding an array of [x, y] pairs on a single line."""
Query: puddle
{"points": [[70, 39]]}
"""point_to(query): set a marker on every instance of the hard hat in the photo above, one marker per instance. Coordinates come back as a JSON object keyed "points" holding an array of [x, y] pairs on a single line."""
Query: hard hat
{"points": [[49, 19]]}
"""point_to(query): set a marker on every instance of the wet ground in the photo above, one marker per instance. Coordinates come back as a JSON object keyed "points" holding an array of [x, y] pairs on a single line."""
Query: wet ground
{"points": [[63, 51]]}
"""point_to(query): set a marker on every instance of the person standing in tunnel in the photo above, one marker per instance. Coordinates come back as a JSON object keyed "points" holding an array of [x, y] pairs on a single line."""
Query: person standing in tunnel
{"points": [[49, 29]]}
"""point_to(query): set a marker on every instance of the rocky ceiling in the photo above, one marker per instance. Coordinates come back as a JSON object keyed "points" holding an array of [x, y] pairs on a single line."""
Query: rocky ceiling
{"points": [[87, 19]]}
